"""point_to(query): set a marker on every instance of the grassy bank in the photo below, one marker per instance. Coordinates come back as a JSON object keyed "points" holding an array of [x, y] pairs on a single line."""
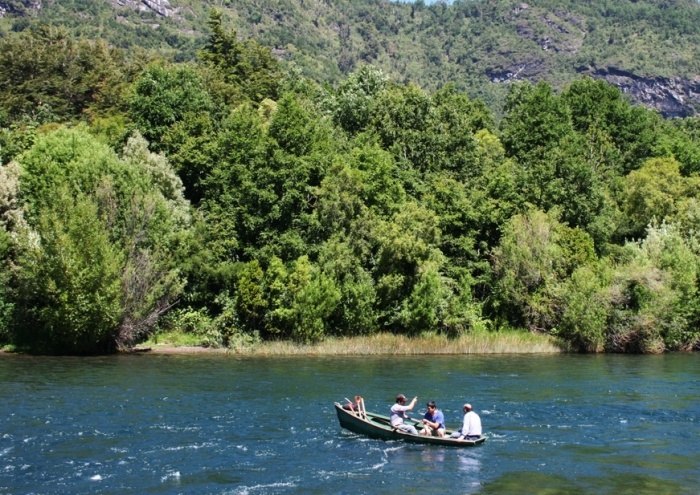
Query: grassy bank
{"points": [[502, 342]]}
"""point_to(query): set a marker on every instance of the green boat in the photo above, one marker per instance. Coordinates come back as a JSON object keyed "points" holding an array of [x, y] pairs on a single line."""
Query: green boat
{"points": [[378, 426]]}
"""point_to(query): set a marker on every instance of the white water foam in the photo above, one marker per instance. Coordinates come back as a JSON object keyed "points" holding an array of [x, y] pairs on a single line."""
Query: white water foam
{"points": [[171, 475], [249, 490]]}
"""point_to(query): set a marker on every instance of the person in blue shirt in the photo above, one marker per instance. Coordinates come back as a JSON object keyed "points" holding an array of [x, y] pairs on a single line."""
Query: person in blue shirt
{"points": [[433, 421]]}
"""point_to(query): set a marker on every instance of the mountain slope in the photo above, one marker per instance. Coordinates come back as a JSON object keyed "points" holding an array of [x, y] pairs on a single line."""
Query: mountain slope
{"points": [[649, 48]]}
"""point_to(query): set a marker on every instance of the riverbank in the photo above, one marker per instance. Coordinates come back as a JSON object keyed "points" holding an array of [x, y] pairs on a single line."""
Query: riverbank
{"points": [[502, 342]]}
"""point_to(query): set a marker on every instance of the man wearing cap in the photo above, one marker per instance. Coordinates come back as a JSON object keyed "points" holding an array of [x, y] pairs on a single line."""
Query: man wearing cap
{"points": [[471, 428], [398, 414], [434, 421]]}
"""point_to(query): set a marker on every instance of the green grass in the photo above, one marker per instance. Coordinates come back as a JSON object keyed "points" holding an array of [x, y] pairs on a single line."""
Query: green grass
{"points": [[174, 338]]}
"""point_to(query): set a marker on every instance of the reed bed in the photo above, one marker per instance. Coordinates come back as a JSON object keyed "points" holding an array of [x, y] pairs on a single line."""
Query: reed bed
{"points": [[504, 342]]}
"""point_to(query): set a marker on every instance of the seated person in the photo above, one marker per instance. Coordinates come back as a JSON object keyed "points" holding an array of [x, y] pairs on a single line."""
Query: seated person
{"points": [[398, 414], [434, 421], [471, 428]]}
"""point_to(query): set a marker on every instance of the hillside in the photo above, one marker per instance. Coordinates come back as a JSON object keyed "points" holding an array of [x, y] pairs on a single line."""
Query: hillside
{"points": [[650, 49]]}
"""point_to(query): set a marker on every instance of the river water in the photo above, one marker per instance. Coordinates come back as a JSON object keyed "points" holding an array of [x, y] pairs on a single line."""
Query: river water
{"points": [[217, 424]]}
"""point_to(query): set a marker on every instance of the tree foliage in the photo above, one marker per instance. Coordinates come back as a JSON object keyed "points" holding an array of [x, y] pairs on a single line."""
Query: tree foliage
{"points": [[97, 257], [272, 207]]}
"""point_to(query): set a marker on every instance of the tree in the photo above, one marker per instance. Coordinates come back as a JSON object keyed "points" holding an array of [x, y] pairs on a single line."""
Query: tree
{"points": [[401, 116], [425, 308], [655, 303], [538, 133], [261, 190], [587, 306], [535, 255], [599, 109], [455, 120], [652, 192], [351, 103], [6, 305], [46, 74], [164, 95], [101, 244], [535, 122], [405, 242], [244, 64], [69, 281], [190, 146]]}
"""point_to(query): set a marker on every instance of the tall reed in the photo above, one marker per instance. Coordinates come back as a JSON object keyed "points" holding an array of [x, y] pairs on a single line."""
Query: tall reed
{"points": [[503, 342]]}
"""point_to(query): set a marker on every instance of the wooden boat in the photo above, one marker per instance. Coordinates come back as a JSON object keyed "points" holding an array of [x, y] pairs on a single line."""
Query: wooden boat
{"points": [[379, 426]]}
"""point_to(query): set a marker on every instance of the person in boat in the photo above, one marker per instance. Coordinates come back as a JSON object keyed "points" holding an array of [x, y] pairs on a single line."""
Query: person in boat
{"points": [[434, 421], [471, 427], [353, 406], [398, 414]]}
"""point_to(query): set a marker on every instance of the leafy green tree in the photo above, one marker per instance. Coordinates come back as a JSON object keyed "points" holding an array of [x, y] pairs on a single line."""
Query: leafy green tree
{"points": [[425, 308], [164, 95], [673, 253], [455, 121], [680, 139], [47, 74], [600, 111], [656, 288], [495, 193], [351, 103], [652, 192], [587, 305], [260, 191], [342, 259], [535, 255], [359, 185], [236, 198], [101, 244], [535, 122], [6, 305], [405, 242], [69, 281], [10, 217], [190, 145], [454, 203], [251, 301], [244, 64], [400, 117], [316, 297], [538, 133], [295, 302]]}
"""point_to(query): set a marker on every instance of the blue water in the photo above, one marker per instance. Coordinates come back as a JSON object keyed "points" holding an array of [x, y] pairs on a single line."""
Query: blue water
{"points": [[226, 425]]}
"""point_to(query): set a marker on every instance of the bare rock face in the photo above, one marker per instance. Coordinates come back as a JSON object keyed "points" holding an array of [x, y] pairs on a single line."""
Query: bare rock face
{"points": [[160, 7], [672, 97], [18, 7]]}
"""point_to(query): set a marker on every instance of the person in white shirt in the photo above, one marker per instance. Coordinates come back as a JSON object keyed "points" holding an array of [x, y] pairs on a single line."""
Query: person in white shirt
{"points": [[398, 414], [471, 428]]}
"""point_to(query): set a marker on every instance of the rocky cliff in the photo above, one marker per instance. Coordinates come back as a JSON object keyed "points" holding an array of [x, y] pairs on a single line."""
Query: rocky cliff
{"points": [[675, 97]]}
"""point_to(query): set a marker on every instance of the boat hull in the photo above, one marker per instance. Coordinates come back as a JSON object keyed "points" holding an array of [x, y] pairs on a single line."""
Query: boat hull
{"points": [[379, 427]]}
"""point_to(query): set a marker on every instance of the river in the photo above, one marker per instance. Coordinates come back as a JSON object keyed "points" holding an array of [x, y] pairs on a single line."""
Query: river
{"points": [[219, 424]]}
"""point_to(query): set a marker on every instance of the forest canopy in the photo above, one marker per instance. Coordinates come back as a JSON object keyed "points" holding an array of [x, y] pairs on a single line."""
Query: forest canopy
{"points": [[238, 200]]}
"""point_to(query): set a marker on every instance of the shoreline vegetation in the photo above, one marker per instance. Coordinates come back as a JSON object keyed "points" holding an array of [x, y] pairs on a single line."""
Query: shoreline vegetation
{"points": [[249, 208], [502, 342]]}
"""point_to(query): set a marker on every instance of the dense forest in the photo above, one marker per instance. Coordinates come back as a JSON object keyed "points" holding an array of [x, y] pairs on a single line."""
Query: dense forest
{"points": [[233, 197]]}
